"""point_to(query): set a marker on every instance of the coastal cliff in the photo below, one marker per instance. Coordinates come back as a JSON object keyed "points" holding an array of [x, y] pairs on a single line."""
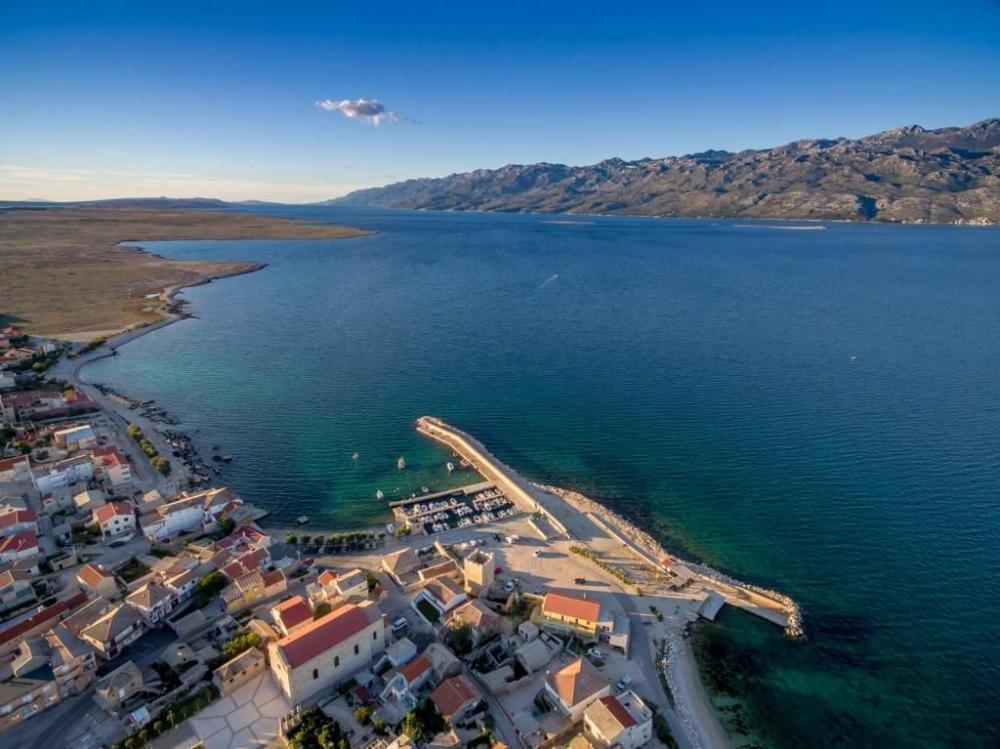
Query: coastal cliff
{"points": [[906, 175]]}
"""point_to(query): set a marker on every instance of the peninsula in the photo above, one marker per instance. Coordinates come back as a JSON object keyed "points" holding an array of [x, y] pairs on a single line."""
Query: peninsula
{"points": [[94, 286]]}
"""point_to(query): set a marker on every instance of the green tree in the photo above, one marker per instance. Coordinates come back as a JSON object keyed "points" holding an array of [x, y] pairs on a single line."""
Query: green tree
{"points": [[460, 639], [363, 714], [412, 726]]}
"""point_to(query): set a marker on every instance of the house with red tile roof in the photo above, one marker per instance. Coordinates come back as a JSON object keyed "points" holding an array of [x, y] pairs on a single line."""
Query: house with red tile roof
{"points": [[18, 521], [115, 519], [575, 686], [15, 469], [112, 466], [291, 614], [623, 721], [402, 684], [575, 615], [327, 651], [39, 622], [455, 697], [93, 578], [23, 545]]}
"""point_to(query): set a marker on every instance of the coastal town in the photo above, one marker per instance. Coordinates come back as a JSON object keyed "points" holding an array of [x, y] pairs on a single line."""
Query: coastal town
{"points": [[143, 605]]}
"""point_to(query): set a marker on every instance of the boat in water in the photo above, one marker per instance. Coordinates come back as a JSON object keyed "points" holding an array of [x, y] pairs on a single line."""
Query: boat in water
{"points": [[302, 519], [379, 494], [401, 463], [450, 466], [354, 457]]}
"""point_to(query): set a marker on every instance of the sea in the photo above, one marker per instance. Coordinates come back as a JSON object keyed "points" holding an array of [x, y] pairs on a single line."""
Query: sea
{"points": [[812, 407]]}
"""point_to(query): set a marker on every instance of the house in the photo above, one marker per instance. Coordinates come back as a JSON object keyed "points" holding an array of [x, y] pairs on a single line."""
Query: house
{"points": [[112, 466], [400, 565], [401, 686], [623, 721], [401, 651], [253, 586], [327, 582], [115, 519], [14, 470], [17, 522], [352, 586], [573, 615], [243, 539], [23, 545], [574, 687], [113, 689], [114, 631], [149, 502], [326, 651], [444, 569], [153, 601], [72, 662], [63, 473], [236, 672], [443, 661], [242, 565], [93, 578], [182, 584], [187, 513], [39, 622], [455, 697], [15, 588], [478, 569], [43, 404], [75, 438], [485, 623], [442, 593], [291, 615], [89, 500], [22, 697]]}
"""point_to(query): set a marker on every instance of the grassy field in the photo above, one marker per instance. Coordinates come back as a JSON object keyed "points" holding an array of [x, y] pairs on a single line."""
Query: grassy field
{"points": [[63, 273]]}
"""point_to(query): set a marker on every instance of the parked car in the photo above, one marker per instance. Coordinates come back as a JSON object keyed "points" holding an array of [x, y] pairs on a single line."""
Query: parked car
{"points": [[596, 654], [399, 626], [624, 683], [509, 586], [581, 581]]}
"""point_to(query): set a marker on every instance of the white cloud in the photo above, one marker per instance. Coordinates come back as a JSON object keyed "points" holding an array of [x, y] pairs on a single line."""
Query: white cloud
{"points": [[30, 182], [371, 110]]}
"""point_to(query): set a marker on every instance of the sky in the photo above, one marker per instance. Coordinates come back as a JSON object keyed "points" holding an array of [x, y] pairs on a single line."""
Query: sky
{"points": [[301, 101]]}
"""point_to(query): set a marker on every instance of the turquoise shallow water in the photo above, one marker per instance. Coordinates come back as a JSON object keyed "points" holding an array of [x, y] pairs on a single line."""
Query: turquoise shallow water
{"points": [[815, 410]]}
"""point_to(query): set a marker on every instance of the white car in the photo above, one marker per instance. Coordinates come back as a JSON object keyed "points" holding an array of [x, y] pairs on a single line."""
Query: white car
{"points": [[596, 654], [624, 683]]}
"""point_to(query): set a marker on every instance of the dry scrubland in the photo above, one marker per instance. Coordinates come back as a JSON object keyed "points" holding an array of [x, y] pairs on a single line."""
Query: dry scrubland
{"points": [[63, 273]]}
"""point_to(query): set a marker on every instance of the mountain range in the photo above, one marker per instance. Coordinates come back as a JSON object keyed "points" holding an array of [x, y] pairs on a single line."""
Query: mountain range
{"points": [[910, 174]]}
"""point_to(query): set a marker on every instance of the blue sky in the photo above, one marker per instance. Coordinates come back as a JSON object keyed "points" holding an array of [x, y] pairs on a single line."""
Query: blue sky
{"points": [[104, 99]]}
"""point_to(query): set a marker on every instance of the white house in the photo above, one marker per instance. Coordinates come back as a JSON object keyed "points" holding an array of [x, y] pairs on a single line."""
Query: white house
{"points": [[115, 519], [188, 513], [75, 438], [623, 721], [53, 476]]}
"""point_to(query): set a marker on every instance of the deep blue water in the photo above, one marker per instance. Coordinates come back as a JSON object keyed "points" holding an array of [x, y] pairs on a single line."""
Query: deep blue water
{"points": [[815, 410]]}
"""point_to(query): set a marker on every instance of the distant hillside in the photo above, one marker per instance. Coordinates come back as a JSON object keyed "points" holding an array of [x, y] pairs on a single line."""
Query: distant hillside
{"points": [[950, 175]]}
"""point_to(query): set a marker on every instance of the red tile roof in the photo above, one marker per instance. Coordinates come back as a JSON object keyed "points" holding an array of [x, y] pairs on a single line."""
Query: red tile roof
{"points": [[617, 709], [18, 516], [19, 542], [247, 563], [92, 575], [323, 634], [292, 612], [112, 509], [8, 463], [41, 617], [586, 609], [453, 694], [327, 577], [412, 670]]}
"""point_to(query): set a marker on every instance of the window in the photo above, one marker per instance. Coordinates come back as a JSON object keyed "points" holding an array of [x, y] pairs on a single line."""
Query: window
{"points": [[315, 673], [356, 650], [336, 661], [374, 636]]}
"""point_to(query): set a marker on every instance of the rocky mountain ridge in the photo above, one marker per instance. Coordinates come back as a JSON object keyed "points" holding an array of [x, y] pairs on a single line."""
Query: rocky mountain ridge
{"points": [[909, 174]]}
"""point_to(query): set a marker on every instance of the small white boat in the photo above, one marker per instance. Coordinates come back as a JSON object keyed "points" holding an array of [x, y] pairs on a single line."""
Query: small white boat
{"points": [[401, 463], [379, 494], [451, 466], [302, 519], [355, 456], [424, 489]]}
